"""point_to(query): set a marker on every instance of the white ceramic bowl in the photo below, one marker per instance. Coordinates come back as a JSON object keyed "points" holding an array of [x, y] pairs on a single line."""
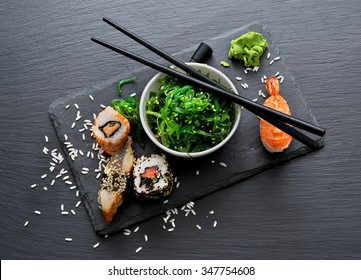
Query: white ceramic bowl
{"points": [[154, 86]]}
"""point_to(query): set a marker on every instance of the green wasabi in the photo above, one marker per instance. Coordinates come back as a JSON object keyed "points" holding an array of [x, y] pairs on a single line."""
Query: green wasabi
{"points": [[248, 48]]}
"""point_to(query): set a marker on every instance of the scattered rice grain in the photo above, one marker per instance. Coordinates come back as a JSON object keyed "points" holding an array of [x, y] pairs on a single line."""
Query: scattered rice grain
{"points": [[26, 223], [96, 245], [215, 224], [72, 211], [68, 239], [91, 97], [37, 212], [76, 106], [45, 188], [73, 125], [268, 55], [239, 78], [133, 94], [103, 106], [33, 186], [223, 164], [44, 176], [136, 229], [64, 212], [145, 237], [67, 106], [138, 249], [46, 139], [78, 203], [277, 58], [199, 227], [271, 62]]}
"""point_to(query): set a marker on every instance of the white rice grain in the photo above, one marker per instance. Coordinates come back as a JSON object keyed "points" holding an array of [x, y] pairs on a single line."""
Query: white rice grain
{"points": [[78, 203], [26, 223], [52, 182], [33, 186], [37, 212], [65, 137], [73, 212], [103, 106], [197, 172], [43, 176], [239, 78], [133, 94], [215, 224], [199, 227], [64, 212], [136, 229], [67, 106], [73, 125], [145, 238], [96, 245], [68, 239], [165, 201], [45, 188], [277, 58], [271, 62], [72, 188], [245, 71], [138, 249], [46, 139], [91, 97], [62, 207], [76, 106], [223, 164], [68, 182], [211, 212], [268, 55]]}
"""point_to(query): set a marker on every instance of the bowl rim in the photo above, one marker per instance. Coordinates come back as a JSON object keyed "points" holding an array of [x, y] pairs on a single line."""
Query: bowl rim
{"points": [[148, 131]]}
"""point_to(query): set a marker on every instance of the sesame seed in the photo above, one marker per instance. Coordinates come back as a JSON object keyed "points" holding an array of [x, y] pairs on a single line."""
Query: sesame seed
{"points": [[96, 245], [106, 236], [37, 212], [138, 249], [26, 223], [68, 239], [45, 150]]}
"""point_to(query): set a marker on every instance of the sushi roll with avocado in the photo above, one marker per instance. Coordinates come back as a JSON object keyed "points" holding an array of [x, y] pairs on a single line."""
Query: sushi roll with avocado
{"points": [[153, 178], [111, 130]]}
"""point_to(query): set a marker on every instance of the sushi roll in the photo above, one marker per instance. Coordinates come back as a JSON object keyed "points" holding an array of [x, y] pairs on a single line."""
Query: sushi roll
{"points": [[153, 178], [116, 181], [111, 130]]}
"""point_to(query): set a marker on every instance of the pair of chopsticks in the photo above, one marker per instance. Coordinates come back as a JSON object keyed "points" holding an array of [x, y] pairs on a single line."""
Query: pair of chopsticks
{"points": [[284, 122]]}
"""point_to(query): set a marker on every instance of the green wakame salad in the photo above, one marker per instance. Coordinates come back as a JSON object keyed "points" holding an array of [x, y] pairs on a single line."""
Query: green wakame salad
{"points": [[187, 119]]}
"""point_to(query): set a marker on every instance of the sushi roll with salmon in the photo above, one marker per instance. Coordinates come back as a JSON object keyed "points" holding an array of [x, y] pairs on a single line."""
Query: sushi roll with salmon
{"points": [[116, 181], [111, 130], [153, 178]]}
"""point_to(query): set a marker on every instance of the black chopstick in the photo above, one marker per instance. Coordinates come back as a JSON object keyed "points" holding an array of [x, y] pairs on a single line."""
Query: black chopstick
{"points": [[211, 88], [257, 109]]}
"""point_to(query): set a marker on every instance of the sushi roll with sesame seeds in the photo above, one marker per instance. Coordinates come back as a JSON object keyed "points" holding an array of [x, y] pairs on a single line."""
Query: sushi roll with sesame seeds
{"points": [[153, 178], [116, 181], [111, 130]]}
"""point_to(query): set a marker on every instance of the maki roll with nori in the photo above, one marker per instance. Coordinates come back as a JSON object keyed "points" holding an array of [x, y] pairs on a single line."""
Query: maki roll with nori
{"points": [[116, 181], [153, 178], [111, 130]]}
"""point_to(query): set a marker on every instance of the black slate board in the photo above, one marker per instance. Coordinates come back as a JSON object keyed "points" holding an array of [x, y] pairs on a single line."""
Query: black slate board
{"points": [[244, 154]]}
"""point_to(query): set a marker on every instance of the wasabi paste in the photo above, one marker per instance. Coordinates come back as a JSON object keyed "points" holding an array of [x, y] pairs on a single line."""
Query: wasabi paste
{"points": [[248, 48]]}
